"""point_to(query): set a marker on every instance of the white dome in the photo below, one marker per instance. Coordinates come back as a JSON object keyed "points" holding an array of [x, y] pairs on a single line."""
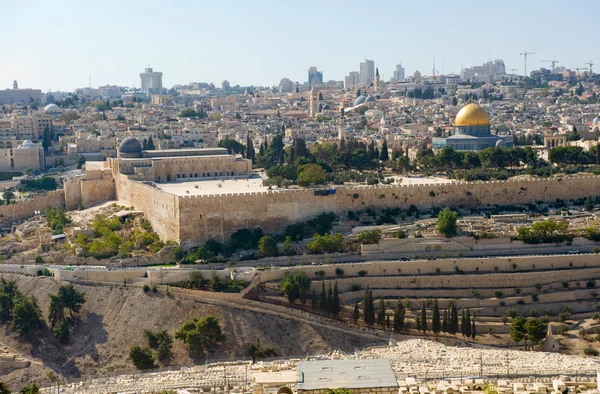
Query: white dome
{"points": [[596, 121], [27, 144], [52, 109]]}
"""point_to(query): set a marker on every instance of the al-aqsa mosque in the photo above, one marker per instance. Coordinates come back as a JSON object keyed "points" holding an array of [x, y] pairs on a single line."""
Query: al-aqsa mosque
{"points": [[472, 132]]}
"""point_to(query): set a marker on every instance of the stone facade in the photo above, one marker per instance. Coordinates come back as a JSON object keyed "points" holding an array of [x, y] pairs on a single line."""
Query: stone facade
{"points": [[366, 390], [25, 209]]}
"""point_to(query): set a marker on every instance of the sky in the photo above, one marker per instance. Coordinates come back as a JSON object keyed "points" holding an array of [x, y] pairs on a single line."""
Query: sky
{"points": [[58, 44]]}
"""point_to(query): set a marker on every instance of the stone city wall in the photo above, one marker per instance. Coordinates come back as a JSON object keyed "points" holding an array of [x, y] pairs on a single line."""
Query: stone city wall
{"points": [[25, 209], [218, 216], [159, 207]]}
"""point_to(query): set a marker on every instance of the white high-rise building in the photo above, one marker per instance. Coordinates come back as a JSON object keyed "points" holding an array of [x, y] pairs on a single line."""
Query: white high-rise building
{"points": [[367, 72], [399, 73], [151, 81]]}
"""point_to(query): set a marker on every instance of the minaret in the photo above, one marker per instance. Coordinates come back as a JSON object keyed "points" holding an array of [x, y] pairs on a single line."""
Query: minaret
{"points": [[341, 126], [314, 101], [377, 79], [15, 85]]}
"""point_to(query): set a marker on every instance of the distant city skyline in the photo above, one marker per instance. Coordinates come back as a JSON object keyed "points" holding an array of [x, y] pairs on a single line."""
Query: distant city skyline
{"points": [[58, 45]]}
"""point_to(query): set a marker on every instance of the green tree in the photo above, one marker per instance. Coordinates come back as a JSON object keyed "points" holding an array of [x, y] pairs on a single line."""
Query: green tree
{"points": [[423, 318], [369, 237], [473, 328], [150, 144], [536, 329], [295, 285], [369, 308], [312, 174], [445, 321], [323, 300], [61, 331], [517, 329], [453, 325], [330, 299], [384, 156], [288, 246], [381, 313], [56, 311], [447, 222], [436, 324], [267, 246], [463, 322], [4, 389], [80, 161], [30, 389], [589, 202], [26, 315], [399, 316], [336, 307], [71, 298], [356, 313], [8, 195], [142, 357], [201, 334], [468, 324]]}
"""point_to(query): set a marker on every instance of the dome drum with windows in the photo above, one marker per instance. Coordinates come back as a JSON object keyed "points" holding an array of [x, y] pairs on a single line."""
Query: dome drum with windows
{"points": [[472, 132]]}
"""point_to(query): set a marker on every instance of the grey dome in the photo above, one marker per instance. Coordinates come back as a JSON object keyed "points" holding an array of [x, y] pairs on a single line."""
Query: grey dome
{"points": [[27, 144], [52, 109], [371, 99], [360, 100], [130, 145]]}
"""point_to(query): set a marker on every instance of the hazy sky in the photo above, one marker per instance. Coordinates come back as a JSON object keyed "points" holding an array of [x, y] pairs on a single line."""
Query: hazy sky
{"points": [[56, 44]]}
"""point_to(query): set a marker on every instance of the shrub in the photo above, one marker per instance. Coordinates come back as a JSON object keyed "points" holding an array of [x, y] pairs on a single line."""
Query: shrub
{"points": [[475, 293], [521, 301], [517, 291], [146, 288], [320, 273], [562, 329], [201, 334], [533, 312], [512, 312], [339, 272], [504, 319], [39, 259], [362, 273], [355, 287], [590, 284], [534, 297], [548, 312], [498, 294], [564, 316], [590, 351], [565, 284], [154, 288], [502, 303], [538, 286]]}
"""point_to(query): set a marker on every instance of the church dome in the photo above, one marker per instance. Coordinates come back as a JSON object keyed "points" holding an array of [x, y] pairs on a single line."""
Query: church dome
{"points": [[52, 109], [596, 121], [472, 115], [130, 146], [360, 100]]}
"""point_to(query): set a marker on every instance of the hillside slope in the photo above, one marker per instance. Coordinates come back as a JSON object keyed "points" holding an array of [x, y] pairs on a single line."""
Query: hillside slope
{"points": [[113, 318]]}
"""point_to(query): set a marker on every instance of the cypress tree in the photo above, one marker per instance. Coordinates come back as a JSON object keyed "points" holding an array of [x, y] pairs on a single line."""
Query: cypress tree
{"points": [[462, 323], [399, 317], [468, 324], [369, 309], [418, 323], [436, 324], [473, 329], [356, 314], [381, 313], [336, 300], [150, 144], [330, 299], [423, 317], [445, 321], [453, 326], [313, 299], [323, 298], [249, 148], [387, 321], [384, 156]]}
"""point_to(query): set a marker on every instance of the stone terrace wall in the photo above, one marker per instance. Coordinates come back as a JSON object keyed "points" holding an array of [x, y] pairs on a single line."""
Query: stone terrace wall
{"points": [[218, 216], [25, 209]]}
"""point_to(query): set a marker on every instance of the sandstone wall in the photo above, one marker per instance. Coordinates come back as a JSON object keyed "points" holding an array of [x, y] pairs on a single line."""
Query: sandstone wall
{"points": [[25, 209], [160, 208], [97, 191], [217, 216]]}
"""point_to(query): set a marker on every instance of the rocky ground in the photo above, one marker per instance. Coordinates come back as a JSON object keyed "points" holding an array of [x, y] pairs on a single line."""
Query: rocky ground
{"points": [[112, 321]]}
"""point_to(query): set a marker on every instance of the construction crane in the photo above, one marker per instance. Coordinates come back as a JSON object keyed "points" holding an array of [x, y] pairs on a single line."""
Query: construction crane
{"points": [[551, 61], [590, 63], [524, 54], [584, 68]]}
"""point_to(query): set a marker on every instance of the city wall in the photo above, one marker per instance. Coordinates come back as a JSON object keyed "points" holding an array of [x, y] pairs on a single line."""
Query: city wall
{"points": [[218, 216], [27, 208]]}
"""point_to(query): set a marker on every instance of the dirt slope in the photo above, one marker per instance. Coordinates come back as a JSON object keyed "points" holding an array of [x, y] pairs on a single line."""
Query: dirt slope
{"points": [[112, 321]]}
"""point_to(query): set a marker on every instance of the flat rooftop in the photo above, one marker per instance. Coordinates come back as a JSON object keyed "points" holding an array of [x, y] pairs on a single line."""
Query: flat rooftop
{"points": [[350, 374], [207, 187]]}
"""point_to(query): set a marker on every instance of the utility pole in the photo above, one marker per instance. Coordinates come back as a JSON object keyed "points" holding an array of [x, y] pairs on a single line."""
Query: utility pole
{"points": [[524, 54]]}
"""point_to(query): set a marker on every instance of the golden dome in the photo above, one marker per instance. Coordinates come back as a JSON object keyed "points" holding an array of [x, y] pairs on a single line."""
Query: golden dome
{"points": [[472, 115]]}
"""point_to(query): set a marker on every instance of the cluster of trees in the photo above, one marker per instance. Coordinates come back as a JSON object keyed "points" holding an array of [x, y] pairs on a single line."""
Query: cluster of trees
{"points": [[201, 334], [57, 219], [144, 358], [328, 302], [545, 231], [295, 285], [258, 352], [21, 312], [148, 144], [326, 243], [564, 155], [532, 329], [106, 241], [69, 298], [29, 389], [45, 183], [191, 113], [447, 323]]}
